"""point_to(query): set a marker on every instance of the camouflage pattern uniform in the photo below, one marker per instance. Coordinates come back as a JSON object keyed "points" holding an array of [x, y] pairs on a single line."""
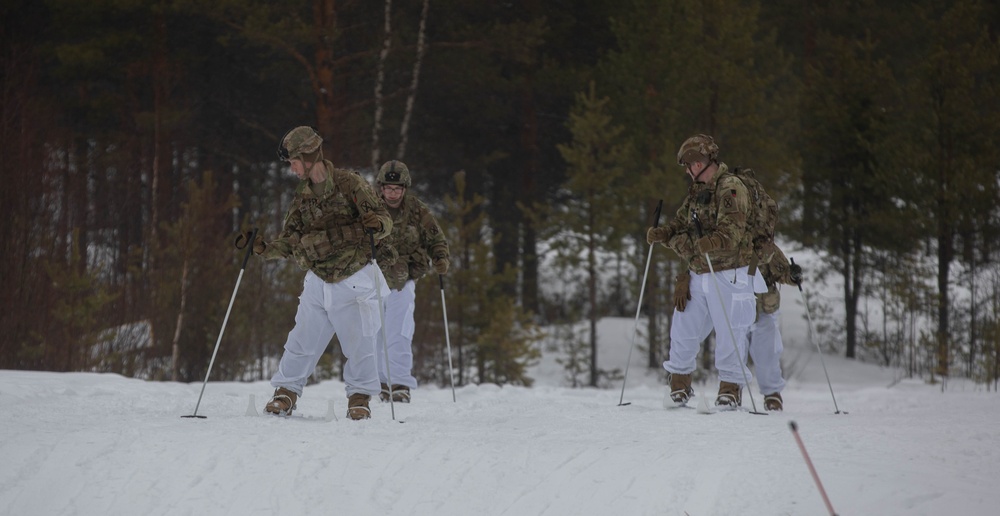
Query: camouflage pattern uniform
{"points": [[418, 239], [723, 205], [323, 233], [322, 230]]}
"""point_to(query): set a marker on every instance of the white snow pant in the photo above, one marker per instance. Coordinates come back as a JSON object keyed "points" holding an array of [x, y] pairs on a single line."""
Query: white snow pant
{"points": [[399, 305], [349, 309], [704, 311], [765, 349]]}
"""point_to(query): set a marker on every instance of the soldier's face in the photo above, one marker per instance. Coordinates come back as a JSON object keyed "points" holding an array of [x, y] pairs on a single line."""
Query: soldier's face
{"points": [[298, 168], [393, 194], [695, 168]]}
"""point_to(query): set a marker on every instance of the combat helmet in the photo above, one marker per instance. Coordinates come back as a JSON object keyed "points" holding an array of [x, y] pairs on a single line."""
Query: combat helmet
{"points": [[393, 173], [696, 147], [302, 140]]}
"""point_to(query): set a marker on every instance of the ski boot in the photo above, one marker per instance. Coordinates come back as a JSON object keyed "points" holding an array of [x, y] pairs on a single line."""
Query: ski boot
{"points": [[357, 406], [680, 388], [282, 403], [400, 393], [772, 402], [730, 395]]}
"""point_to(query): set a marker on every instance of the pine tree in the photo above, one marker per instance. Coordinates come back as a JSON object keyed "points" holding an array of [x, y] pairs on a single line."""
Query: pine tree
{"points": [[592, 218]]}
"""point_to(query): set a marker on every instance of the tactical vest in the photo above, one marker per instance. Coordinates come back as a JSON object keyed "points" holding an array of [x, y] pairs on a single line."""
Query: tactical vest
{"points": [[330, 220], [706, 200]]}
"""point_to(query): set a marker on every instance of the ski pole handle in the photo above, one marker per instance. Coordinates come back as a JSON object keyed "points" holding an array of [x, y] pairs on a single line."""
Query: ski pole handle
{"points": [[246, 258], [798, 283], [371, 240], [656, 217], [697, 224]]}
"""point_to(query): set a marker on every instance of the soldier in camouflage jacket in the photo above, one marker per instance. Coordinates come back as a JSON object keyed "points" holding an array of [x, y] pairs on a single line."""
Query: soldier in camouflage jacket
{"points": [[326, 231], [721, 203], [420, 243]]}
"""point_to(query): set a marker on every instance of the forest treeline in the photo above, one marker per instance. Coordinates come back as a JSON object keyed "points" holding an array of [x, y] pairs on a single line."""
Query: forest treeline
{"points": [[138, 138]]}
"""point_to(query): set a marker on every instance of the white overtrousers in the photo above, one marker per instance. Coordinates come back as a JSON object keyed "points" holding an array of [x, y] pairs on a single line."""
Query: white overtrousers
{"points": [[349, 309], [704, 312], [765, 350], [399, 306]]}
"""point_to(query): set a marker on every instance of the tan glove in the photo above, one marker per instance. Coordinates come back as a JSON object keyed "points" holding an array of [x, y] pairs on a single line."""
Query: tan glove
{"points": [[656, 235], [441, 265], [371, 222], [682, 291], [708, 244], [258, 244]]}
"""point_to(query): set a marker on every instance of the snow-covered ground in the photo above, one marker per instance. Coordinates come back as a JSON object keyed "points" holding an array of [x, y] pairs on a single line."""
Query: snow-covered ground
{"points": [[99, 444]]}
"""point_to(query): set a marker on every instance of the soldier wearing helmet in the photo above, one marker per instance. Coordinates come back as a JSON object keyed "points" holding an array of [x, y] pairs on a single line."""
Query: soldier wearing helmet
{"points": [[326, 231], [719, 203], [421, 245]]}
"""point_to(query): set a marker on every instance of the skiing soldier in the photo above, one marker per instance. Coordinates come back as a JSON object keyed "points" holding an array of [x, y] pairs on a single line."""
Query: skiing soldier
{"points": [[326, 231], [765, 344], [420, 243], [713, 220]]}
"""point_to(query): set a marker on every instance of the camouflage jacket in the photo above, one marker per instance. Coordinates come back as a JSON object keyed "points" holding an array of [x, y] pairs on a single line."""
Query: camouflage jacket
{"points": [[723, 206], [417, 238], [322, 230]]}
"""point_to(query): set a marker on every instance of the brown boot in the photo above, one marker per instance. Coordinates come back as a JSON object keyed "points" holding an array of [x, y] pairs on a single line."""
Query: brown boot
{"points": [[384, 395], [357, 406], [773, 402], [680, 388], [400, 394], [282, 403], [730, 395]]}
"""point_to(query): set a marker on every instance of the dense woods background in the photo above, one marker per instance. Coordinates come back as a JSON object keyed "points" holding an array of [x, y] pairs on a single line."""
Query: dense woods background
{"points": [[137, 137]]}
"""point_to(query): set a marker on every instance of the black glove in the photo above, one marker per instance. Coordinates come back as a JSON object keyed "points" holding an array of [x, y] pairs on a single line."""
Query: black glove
{"points": [[795, 273]]}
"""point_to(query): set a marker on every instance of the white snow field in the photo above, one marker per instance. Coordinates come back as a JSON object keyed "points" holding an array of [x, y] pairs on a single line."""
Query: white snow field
{"points": [[101, 444]]}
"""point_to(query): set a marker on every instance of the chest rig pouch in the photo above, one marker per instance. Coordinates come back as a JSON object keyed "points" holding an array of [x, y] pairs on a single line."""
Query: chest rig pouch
{"points": [[331, 223]]}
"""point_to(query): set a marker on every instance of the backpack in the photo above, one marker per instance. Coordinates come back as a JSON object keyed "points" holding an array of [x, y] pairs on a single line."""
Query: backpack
{"points": [[764, 217]]}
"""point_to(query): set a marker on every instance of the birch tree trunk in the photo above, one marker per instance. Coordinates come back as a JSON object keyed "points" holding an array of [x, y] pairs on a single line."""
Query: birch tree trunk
{"points": [[404, 128], [379, 82]]}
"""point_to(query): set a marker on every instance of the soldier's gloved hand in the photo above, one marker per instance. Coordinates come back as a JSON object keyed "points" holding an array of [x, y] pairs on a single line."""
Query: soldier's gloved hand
{"points": [[371, 222], [682, 291], [708, 244], [441, 265], [655, 235], [243, 238], [795, 273]]}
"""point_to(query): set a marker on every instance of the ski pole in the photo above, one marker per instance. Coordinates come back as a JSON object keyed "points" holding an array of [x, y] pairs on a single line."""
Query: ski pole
{"points": [[447, 339], [642, 289], [253, 236], [805, 302], [381, 315], [805, 455], [725, 314]]}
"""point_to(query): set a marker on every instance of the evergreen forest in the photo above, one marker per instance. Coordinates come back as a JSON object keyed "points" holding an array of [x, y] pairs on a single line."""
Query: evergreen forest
{"points": [[138, 138]]}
